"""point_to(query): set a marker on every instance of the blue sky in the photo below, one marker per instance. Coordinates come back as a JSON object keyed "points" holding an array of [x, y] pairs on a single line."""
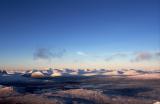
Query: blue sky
{"points": [[79, 33]]}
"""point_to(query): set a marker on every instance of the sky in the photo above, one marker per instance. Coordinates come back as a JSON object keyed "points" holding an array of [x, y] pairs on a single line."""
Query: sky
{"points": [[79, 34]]}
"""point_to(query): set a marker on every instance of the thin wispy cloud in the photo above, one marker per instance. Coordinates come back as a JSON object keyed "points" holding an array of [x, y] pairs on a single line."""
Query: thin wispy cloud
{"points": [[136, 56], [81, 53]]}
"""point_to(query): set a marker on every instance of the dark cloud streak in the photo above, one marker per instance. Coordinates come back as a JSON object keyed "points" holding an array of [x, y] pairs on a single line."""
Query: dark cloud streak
{"points": [[146, 56], [47, 54]]}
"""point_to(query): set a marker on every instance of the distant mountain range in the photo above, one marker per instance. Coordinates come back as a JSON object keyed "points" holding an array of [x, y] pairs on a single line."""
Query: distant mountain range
{"points": [[80, 72]]}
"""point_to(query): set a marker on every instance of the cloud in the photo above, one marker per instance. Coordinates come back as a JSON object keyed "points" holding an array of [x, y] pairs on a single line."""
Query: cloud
{"points": [[157, 54], [116, 55], [81, 53], [42, 53], [145, 56], [46, 54]]}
